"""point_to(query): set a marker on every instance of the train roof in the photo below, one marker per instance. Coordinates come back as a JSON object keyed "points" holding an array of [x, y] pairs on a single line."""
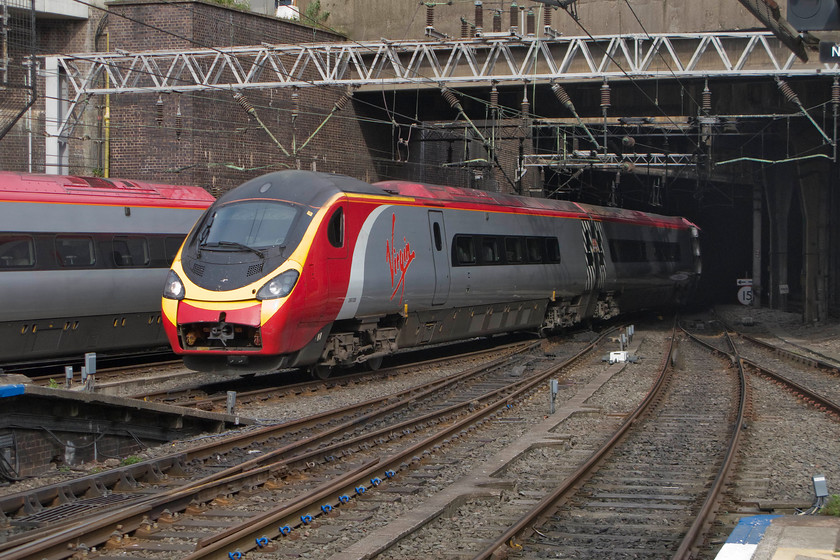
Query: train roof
{"points": [[309, 188], [72, 189], [440, 193], [314, 189]]}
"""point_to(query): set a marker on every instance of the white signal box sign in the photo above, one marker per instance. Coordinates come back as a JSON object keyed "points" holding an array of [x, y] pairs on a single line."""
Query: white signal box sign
{"points": [[745, 291]]}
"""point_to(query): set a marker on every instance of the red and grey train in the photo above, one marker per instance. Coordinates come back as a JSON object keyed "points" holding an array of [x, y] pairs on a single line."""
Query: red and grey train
{"points": [[83, 260], [304, 269]]}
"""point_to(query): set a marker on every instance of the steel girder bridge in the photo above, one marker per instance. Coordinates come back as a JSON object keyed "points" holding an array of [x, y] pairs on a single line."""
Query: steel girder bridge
{"points": [[494, 58]]}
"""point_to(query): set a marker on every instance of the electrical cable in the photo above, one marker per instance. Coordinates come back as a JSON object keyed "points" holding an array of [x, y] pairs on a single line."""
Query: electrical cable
{"points": [[392, 116]]}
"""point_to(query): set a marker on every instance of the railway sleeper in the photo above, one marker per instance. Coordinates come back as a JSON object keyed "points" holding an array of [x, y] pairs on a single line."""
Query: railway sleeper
{"points": [[64, 495], [126, 483]]}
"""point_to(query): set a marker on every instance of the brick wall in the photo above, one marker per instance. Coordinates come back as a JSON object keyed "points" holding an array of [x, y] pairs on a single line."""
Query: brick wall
{"points": [[25, 142], [207, 138], [215, 143]]}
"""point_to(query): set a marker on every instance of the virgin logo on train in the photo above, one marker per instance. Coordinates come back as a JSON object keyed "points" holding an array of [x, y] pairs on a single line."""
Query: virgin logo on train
{"points": [[398, 261]]}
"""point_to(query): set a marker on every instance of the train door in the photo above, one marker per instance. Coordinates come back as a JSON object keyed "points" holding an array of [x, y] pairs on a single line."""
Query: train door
{"points": [[595, 265], [327, 267], [440, 257]]}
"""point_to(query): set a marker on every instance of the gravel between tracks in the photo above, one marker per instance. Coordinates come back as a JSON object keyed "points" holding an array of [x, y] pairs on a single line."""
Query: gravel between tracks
{"points": [[281, 410]]}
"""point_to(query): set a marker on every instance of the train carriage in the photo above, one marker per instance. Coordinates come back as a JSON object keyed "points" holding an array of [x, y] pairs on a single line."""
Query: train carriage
{"points": [[302, 269], [83, 260]]}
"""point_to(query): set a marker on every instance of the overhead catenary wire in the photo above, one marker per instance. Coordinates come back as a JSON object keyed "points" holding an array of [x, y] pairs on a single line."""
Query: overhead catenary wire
{"points": [[465, 139], [181, 37]]}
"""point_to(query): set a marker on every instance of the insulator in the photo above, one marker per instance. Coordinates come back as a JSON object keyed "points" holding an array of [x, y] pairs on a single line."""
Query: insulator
{"points": [[479, 14], [430, 15], [450, 98], [562, 96], [494, 97], [295, 104], [159, 108], [514, 15], [628, 141], [531, 22], [789, 94], [497, 21], [526, 106], [707, 99], [343, 100], [243, 102], [835, 92], [465, 29], [605, 95], [547, 16]]}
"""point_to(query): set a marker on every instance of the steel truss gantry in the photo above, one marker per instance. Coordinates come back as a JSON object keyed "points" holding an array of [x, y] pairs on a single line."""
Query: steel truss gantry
{"points": [[452, 63], [609, 161], [494, 58]]}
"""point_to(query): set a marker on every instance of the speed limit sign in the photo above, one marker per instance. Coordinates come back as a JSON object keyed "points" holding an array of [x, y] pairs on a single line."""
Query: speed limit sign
{"points": [[745, 295]]}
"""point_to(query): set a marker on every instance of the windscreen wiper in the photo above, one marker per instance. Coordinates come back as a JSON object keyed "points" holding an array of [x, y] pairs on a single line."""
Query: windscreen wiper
{"points": [[233, 245]]}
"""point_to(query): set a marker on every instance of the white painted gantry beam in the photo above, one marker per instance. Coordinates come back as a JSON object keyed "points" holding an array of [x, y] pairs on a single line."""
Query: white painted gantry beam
{"points": [[433, 63], [421, 64]]}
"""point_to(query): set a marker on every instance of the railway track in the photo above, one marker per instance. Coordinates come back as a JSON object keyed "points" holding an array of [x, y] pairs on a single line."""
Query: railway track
{"points": [[809, 378], [333, 439], [197, 397], [660, 487], [793, 418], [647, 492], [110, 378]]}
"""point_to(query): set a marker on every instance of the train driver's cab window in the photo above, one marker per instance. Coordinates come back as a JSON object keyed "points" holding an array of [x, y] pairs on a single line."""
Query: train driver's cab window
{"points": [[16, 251], [131, 251], [74, 251], [335, 228], [257, 224]]}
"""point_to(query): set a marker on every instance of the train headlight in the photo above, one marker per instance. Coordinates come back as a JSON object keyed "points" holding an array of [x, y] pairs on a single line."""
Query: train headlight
{"points": [[279, 286], [174, 288]]}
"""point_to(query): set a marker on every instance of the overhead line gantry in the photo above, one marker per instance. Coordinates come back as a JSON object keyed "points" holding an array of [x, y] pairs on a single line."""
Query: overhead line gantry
{"points": [[493, 58]]}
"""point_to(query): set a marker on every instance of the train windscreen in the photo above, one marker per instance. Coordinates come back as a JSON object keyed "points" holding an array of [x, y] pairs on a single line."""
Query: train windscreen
{"points": [[256, 224]]}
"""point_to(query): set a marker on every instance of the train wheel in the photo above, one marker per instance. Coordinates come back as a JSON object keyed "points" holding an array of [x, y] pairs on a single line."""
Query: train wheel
{"points": [[320, 371], [374, 364]]}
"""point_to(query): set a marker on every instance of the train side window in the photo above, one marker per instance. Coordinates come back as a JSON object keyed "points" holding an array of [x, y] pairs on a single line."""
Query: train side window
{"points": [[628, 250], [665, 251], [171, 246], [489, 250], [131, 251], [16, 251], [535, 250], [335, 229], [552, 250], [74, 251], [438, 238], [464, 250], [514, 249]]}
